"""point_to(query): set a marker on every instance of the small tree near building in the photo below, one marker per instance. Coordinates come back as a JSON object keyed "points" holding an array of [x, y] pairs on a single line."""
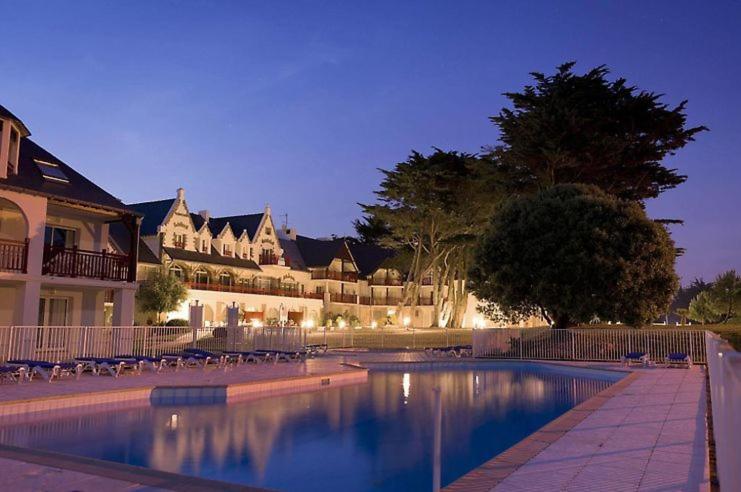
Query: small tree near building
{"points": [[161, 293], [573, 253]]}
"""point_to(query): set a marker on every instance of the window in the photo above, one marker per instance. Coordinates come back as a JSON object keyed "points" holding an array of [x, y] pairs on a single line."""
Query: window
{"points": [[51, 171], [179, 241], [15, 138], [200, 277], [227, 250], [204, 246], [60, 237], [176, 272], [268, 231], [225, 279]]}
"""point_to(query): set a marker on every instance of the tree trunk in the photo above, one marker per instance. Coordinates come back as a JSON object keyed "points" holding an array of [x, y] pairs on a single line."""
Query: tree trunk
{"points": [[561, 321]]}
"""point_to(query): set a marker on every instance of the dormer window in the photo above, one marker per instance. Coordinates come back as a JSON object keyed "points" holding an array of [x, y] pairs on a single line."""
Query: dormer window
{"points": [[51, 171], [226, 251], [179, 241], [204, 246]]}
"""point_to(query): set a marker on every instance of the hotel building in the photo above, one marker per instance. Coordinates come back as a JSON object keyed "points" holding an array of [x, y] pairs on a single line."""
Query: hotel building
{"points": [[58, 264]]}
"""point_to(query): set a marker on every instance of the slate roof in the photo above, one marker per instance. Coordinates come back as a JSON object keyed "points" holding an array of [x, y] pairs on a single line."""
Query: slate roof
{"points": [[238, 223], [6, 114], [79, 189], [292, 254], [213, 258], [154, 214], [369, 257], [318, 253], [120, 235], [198, 220]]}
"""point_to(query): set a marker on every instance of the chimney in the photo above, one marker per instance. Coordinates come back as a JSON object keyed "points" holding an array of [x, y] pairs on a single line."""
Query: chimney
{"points": [[291, 233], [181, 193], [267, 209], [205, 214]]}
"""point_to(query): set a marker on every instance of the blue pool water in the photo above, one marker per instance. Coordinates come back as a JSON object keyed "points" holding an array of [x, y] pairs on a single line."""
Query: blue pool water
{"points": [[372, 436]]}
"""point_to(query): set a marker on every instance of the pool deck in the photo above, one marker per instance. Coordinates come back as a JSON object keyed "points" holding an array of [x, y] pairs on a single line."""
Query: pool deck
{"points": [[645, 433]]}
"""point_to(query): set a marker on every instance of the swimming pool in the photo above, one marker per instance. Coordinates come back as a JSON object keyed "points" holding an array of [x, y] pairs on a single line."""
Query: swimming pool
{"points": [[372, 436]]}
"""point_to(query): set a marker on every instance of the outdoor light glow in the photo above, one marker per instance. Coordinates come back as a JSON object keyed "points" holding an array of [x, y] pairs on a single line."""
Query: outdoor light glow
{"points": [[173, 423], [406, 385], [256, 323], [374, 325], [407, 320], [310, 323], [390, 312], [478, 322], [341, 324]]}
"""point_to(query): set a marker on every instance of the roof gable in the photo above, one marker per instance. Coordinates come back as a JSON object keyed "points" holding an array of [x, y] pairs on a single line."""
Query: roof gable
{"points": [[249, 223], [155, 213], [319, 253], [369, 257]]}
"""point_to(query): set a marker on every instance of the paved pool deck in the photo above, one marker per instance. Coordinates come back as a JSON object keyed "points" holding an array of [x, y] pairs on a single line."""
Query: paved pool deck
{"points": [[646, 432]]}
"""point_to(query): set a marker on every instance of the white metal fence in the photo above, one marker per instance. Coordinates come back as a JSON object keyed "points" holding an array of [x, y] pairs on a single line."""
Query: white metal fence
{"points": [[58, 343], [724, 369], [586, 344]]}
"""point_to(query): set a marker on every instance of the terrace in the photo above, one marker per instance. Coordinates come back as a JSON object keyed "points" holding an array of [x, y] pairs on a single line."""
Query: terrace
{"points": [[326, 274], [244, 289]]}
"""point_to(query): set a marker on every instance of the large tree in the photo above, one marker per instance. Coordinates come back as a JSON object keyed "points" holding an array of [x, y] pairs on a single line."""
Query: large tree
{"points": [[720, 302], [570, 128], [573, 253], [430, 208], [160, 293]]}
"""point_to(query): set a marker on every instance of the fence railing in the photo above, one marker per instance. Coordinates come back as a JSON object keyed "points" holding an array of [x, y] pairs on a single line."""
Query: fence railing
{"points": [[73, 262], [388, 338], [13, 255], [58, 343], [586, 344], [724, 369]]}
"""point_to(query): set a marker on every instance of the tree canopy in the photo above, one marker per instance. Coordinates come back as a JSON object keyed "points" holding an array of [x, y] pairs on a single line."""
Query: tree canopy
{"points": [[720, 302], [430, 208], [573, 253], [160, 293], [569, 128]]}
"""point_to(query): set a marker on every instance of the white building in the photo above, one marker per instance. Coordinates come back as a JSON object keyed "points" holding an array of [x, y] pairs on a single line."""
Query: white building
{"points": [[58, 265]]}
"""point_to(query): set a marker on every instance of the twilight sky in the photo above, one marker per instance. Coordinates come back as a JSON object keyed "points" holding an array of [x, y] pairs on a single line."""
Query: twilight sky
{"points": [[297, 103]]}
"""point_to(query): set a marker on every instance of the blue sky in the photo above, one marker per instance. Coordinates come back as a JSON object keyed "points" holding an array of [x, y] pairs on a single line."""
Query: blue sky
{"points": [[297, 103]]}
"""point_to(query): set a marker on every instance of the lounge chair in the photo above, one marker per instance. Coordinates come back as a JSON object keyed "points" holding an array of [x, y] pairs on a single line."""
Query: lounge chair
{"points": [[155, 364], [14, 374], [635, 358], [249, 356], [192, 360], [222, 357], [113, 366], [288, 356], [314, 349], [678, 359], [48, 370]]}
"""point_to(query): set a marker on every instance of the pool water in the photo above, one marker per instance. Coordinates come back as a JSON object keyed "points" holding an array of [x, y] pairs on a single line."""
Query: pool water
{"points": [[370, 436]]}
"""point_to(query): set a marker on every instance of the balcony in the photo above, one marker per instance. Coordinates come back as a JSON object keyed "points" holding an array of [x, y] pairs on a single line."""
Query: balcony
{"points": [[268, 259], [73, 262], [380, 301], [13, 255], [345, 298], [389, 282], [425, 301], [245, 289], [334, 275]]}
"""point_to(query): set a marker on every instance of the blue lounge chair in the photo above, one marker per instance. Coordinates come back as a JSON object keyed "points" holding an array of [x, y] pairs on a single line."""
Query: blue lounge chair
{"points": [[220, 357], [286, 355], [248, 356], [48, 370], [110, 365], [678, 359], [14, 374], [635, 358], [189, 359], [155, 364]]}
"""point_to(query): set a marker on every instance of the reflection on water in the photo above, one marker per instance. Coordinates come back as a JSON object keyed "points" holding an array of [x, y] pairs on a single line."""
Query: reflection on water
{"points": [[373, 436]]}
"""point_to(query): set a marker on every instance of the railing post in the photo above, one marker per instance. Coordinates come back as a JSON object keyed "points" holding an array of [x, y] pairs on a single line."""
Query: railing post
{"points": [[573, 344]]}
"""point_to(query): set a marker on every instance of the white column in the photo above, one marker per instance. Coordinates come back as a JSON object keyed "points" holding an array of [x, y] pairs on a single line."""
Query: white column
{"points": [[195, 319], [26, 314], [234, 332], [123, 321]]}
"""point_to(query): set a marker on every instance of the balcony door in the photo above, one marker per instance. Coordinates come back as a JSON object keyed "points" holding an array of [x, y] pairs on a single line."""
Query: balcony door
{"points": [[60, 237]]}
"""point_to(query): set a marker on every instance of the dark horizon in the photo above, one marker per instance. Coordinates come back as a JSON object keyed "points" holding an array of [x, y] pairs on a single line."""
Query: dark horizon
{"points": [[297, 105]]}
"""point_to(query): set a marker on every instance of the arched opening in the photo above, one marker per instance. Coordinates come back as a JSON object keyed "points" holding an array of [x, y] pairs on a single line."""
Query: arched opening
{"points": [[13, 225], [177, 272], [200, 276], [226, 279]]}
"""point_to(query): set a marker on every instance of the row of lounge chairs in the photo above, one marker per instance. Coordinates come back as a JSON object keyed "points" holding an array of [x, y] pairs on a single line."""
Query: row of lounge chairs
{"points": [[20, 370], [451, 351], [674, 359]]}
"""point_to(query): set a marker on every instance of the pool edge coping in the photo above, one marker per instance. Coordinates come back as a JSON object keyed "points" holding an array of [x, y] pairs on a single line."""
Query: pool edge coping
{"points": [[489, 474]]}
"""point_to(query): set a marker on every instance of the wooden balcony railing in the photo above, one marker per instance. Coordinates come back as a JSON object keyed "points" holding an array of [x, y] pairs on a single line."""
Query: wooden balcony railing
{"points": [[334, 275], [380, 301], [425, 301], [246, 289], [346, 298], [73, 262], [14, 255], [268, 259], [391, 282]]}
